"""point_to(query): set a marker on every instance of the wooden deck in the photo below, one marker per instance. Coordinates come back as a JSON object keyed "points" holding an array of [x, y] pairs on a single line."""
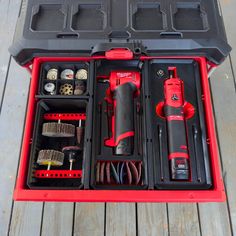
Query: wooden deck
{"points": [[30, 219]]}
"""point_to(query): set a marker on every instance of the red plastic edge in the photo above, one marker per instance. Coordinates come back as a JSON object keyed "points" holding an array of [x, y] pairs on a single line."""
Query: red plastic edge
{"points": [[217, 194], [58, 174], [64, 116]]}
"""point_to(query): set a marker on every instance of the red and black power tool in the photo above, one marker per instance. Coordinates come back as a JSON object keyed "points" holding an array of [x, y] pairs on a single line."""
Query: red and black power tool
{"points": [[177, 135], [124, 87]]}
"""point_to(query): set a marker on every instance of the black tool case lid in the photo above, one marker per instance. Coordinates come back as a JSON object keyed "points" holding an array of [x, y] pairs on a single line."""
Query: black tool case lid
{"points": [[89, 27]]}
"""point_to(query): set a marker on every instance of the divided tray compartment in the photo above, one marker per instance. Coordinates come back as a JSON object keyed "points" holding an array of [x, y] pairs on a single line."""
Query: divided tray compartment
{"points": [[48, 18], [60, 66], [147, 16], [40, 142], [189, 16], [88, 17], [200, 173], [104, 154]]}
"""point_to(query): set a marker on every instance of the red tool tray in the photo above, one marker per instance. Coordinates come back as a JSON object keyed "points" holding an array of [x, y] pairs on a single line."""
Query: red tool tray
{"points": [[23, 193], [145, 38]]}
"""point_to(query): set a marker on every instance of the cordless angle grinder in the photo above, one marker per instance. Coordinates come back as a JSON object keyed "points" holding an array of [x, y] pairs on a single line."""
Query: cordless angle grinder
{"points": [[124, 87], [176, 130]]}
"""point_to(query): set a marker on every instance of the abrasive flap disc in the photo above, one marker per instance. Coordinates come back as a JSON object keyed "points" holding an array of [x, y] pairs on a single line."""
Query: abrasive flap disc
{"points": [[58, 130]]}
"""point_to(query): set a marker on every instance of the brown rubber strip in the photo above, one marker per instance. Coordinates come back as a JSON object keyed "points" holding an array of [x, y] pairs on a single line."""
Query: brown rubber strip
{"points": [[129, 175], [98, 172], [139, 171], [134, 172], [102, 172], [108, 172]]}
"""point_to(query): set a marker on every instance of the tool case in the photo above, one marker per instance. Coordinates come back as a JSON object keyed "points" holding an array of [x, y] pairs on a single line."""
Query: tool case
{"points": [[79, 54]]}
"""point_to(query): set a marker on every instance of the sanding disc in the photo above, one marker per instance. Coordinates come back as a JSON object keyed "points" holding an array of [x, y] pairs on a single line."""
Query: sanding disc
{"points": [[81, 74], [67, 74], [50, 88], [58, 130], [52, 74], [52, 157], [80, 87]]}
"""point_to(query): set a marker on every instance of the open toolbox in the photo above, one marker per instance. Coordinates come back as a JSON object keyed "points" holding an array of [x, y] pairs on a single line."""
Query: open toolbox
{"points": [[119, 105]]}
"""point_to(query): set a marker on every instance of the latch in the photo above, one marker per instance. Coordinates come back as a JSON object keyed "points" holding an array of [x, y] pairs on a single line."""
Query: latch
{"points": [[119, 54]]}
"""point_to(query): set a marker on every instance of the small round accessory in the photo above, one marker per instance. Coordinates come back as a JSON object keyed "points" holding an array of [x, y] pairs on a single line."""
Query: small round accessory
{"points": [[52, 74], [50, 88], [66, 89], [81, 74], [67, 74], [72, 153], [58, 130], [50, 158], [79, 87]]}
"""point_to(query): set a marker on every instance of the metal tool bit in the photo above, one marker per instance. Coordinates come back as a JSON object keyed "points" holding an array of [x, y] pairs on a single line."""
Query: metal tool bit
{"points": [[80, 132], [72, 152]]}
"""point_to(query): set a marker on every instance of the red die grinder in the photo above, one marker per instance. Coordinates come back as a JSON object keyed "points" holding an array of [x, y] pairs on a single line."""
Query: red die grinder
{"points": [[124, 87], [177, 135]]}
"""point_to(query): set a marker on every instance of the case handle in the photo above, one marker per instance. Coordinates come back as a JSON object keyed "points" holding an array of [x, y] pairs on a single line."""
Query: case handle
{"points": [[67, 35], [171, 34]]}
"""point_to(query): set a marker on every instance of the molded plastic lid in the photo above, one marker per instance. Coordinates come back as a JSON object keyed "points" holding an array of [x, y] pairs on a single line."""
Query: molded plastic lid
{"points": [[89, 27]]}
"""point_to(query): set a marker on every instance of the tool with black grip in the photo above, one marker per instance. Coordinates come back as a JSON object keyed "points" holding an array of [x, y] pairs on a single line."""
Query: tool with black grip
{"points": [[124, 87], [177, 136]]}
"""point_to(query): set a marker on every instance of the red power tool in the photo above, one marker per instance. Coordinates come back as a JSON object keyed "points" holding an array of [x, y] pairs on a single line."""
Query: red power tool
{"points": [[177, 135], [124, 87]]}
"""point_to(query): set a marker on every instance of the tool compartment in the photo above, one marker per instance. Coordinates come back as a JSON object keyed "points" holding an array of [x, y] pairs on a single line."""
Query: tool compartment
{"points": [[109, 76], [59, 82], [46, 109], [101, 131], [189, 71]]}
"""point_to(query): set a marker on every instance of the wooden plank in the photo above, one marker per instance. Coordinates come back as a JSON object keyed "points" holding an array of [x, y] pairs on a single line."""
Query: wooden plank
{"points": [[26, 219], [57, 219], [183, 219], [120, 219], [228, 9], [227, 129], [9, 13], [11, 128], [89, 219], [214, 219], [152, 219], [224, 100]]}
